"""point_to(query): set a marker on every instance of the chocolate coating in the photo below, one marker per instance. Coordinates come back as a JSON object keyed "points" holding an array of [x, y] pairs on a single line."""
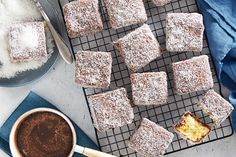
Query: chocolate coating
{"points": [[44, 134]]}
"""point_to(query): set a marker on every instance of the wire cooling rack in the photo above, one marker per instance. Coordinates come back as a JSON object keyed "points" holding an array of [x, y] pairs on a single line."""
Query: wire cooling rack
{"points": [[115, 141]]}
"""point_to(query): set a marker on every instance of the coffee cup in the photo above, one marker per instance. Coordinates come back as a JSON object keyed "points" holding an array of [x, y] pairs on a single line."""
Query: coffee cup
{"points": [[74, 147]]}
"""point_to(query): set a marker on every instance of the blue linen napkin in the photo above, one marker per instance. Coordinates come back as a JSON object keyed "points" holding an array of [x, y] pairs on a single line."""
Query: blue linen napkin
{"points": [[220, 24], [33, 101]]}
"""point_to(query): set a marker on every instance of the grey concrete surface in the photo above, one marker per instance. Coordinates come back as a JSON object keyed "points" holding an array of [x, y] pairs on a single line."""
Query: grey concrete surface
{"points": [[59, 88]]}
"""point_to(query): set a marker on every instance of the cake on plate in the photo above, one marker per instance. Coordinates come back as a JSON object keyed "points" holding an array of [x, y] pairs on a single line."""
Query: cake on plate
{"points": [[27, 42]]}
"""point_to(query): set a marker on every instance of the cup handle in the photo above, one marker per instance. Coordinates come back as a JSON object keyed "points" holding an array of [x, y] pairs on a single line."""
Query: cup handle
{"points": [[91, 152]]}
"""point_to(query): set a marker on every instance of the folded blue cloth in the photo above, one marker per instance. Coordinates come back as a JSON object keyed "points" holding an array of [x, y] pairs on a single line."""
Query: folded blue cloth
{"points": [[33, 101], [220, 23]]}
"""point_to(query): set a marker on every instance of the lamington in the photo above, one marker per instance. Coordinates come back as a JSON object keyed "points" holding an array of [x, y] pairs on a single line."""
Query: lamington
{"points": [[93, 69], [150, 139], [192, 75], [138, 48], [111, 109], [184, 32], [215, 106], [161, 2], [27, 42], [149, 88], [191, 128], [123, 13], [82, 18]]}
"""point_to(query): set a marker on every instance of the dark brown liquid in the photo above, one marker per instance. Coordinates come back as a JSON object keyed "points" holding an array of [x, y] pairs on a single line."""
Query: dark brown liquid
{"points": [[44, 134]]}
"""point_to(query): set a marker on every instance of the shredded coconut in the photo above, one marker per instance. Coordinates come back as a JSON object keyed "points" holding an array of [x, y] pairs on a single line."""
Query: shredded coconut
{"points": [[15, 11], [27, 35]]}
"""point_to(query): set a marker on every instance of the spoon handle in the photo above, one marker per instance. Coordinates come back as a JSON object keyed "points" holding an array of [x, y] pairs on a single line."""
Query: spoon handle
{"points": [[91, 152], [60, 43]]}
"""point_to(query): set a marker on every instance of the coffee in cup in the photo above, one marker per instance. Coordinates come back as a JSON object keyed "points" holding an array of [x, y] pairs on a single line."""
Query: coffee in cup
{"points": [[45, 132], [42, 132]]}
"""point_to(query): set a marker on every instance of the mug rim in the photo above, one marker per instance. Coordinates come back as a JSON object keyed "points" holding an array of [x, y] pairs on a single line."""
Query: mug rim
{"points": [[13, 144]]}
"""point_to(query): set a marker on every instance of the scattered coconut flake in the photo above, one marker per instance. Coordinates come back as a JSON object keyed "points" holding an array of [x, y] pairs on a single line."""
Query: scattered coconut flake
{"points": [[29, 38]]}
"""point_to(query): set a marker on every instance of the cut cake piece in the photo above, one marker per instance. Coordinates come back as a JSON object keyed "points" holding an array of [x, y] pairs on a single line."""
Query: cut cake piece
{"points": [[191, 128]]}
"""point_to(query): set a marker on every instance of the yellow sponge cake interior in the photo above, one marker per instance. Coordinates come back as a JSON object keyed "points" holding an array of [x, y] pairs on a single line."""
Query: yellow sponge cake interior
{"points": [[191, 128]]}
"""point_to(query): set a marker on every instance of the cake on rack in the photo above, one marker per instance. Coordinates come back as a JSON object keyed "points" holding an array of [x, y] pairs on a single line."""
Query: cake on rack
{"points": [[124, 13], [149, 88], [192, 75], [184, 32], [93, 69], [111, 109], [138, 48], [27, 42], [150, 139], [82, 18], [191, 128], [215, 106], [161, 2]]}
